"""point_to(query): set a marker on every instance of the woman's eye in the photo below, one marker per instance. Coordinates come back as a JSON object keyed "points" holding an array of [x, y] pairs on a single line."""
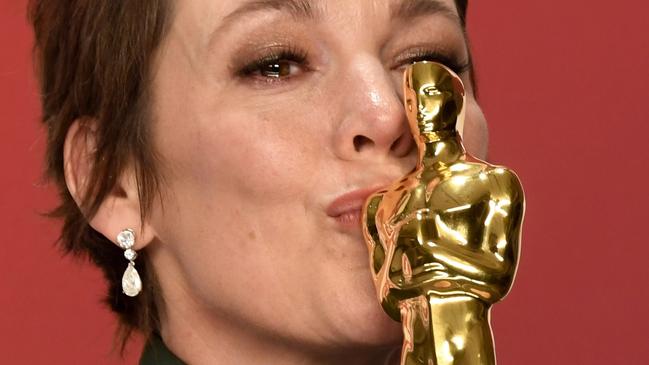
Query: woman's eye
{"points": [[277, 66], [449, 61], [280, 68]]}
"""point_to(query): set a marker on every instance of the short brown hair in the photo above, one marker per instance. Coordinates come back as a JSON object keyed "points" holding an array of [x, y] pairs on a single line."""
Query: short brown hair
{"points": [[93, 60]]}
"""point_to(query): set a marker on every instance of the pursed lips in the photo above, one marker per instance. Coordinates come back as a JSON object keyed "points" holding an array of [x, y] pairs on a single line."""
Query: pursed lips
{"points": [[347, 208]]}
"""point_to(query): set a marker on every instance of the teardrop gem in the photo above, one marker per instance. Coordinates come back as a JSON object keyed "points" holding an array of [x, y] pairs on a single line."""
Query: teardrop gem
{"points": [[131, 283]]}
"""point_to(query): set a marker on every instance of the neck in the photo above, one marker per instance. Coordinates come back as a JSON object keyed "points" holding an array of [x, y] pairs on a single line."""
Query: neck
{"points": [[439, 149], [446, 331]]}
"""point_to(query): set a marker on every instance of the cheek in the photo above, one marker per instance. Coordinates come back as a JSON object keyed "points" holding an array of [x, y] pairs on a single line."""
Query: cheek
{"points": [[476, 133], [263, 156], [237, 180]]}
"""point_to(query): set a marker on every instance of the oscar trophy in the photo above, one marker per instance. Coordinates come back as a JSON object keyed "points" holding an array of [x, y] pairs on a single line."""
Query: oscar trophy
{"points": [[444, 240]]}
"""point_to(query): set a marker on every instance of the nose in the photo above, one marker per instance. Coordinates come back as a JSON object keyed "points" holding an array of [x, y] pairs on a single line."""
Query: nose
{"points": [[374, 125]]}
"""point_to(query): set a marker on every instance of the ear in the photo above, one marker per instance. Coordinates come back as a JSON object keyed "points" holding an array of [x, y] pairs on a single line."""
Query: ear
{"points": [[120, 209]]}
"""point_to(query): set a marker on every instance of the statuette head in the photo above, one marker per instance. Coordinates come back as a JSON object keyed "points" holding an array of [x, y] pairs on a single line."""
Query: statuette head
{"points": [[434, 99]]}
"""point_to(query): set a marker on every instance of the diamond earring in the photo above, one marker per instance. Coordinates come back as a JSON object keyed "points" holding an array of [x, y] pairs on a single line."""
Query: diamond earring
{"points": [[131, 283]]}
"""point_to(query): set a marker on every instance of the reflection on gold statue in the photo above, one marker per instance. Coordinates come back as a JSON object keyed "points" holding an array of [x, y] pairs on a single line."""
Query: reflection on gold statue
{"points": [[444, 240]]}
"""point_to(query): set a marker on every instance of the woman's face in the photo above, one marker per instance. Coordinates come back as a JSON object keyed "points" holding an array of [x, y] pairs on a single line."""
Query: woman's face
{"points": [[265, 112]]}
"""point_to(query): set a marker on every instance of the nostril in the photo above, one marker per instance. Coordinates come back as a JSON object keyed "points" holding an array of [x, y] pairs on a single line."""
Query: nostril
{"points": [[395, 144], [361, 142], [402, 145]]}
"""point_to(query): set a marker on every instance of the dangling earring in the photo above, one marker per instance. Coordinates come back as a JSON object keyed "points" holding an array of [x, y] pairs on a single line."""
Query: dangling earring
{"points": [[131, 283]]}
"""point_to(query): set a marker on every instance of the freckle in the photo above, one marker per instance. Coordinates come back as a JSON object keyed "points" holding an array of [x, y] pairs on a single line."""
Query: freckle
{"points": [[252, 235]]}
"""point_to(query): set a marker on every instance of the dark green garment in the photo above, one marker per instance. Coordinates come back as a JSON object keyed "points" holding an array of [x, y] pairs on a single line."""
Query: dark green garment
{"points": [[156, 353]]}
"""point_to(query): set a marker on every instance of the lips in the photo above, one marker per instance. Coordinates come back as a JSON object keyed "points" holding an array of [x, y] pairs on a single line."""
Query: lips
{"points": [[347, 208]]}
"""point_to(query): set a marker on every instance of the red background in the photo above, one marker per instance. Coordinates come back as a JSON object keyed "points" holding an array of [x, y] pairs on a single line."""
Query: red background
{"points": [[564, 85]]}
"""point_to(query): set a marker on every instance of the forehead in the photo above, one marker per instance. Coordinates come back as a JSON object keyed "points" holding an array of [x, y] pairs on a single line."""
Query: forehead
{"points": [[202, 26], [224, 14], [317, 8], [317, 5]]}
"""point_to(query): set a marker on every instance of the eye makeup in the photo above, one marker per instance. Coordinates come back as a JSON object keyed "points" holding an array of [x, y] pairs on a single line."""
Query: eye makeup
{"points": [[280, 63], [449, 59], [282, 54], [275, 63]]}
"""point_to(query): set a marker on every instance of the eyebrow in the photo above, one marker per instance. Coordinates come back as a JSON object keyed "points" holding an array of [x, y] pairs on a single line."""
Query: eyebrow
{"points": [[298, 9], [410, 9], [305, 10]]}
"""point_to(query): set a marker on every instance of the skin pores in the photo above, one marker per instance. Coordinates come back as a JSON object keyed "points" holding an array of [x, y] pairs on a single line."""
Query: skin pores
{"points": [[250, 264]]}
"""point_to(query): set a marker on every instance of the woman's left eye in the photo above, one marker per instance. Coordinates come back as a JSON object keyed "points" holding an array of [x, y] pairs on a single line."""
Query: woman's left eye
{"points": [[450, 61]]}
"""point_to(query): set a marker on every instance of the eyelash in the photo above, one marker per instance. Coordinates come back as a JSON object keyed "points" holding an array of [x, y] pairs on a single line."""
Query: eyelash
{"points": [[300, 57], [449, 61], [291, 54]]}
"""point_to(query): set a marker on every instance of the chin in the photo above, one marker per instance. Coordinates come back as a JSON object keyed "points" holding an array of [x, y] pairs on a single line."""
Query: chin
{"points": [[379, 329], [366, 323], [352, 308]]}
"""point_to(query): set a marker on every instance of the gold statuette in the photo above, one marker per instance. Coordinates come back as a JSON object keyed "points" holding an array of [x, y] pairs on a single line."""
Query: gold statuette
{"points": [[444, 240]]}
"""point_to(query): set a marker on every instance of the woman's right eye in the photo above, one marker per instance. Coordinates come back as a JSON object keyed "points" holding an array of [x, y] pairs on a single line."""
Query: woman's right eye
{"points": [[277, 69], [276, 66]]}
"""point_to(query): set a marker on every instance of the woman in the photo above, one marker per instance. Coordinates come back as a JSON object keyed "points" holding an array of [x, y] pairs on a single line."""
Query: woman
{"points": [[225, 148]]}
